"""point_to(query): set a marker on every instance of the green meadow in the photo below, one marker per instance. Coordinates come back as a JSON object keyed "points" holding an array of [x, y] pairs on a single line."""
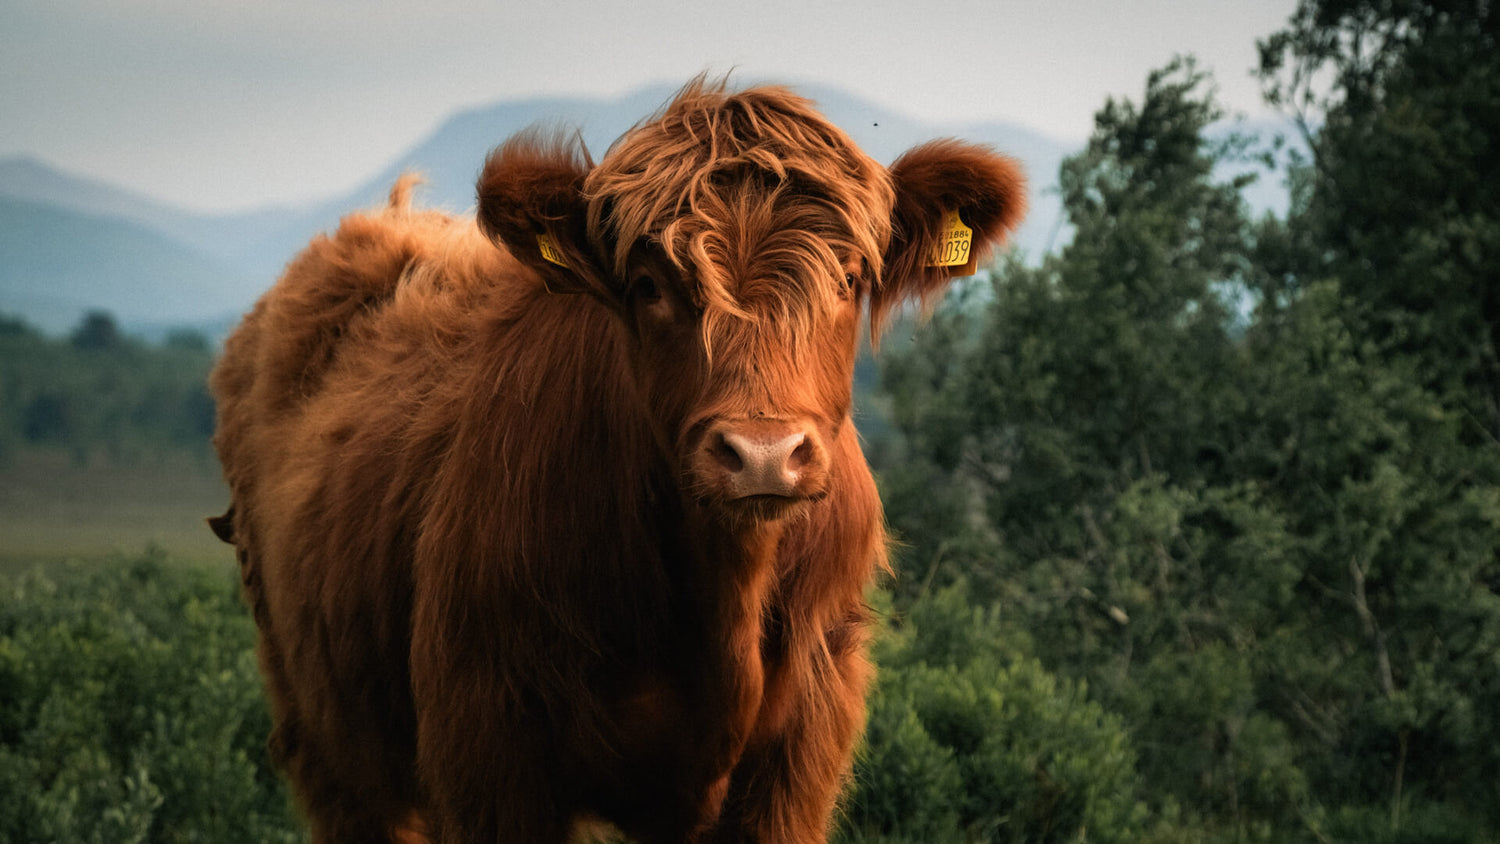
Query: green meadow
{"points": [[52, 509]]}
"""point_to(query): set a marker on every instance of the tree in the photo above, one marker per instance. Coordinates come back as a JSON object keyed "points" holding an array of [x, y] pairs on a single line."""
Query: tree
{"points": [[1400, 103], [1195, 470], [133, 403], [1077, 443], [97, 332], [1396, 243]]}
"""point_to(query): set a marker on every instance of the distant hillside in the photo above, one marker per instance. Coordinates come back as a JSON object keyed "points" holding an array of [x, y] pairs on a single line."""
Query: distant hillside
{"points": [[58, 263], [451, 157], [68, 243]]}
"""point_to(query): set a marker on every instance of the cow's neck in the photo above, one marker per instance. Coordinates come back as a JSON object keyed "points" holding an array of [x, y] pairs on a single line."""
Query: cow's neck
{"points": [[730, 580], [746, 562]]}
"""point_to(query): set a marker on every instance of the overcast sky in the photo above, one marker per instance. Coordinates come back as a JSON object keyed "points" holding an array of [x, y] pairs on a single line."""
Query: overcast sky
{"points": [[231, 104]]}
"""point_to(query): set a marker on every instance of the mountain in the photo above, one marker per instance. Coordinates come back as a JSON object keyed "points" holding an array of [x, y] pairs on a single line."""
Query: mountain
{"points": [[69, 243], [31, 180], [450, 158], [59, 263]]}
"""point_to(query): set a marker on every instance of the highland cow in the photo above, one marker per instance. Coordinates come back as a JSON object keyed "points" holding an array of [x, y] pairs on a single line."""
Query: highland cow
{"points": [[557, 516]]}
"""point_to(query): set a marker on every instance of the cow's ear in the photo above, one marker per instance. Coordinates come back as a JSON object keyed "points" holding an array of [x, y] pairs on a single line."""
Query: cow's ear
{"points": [[955, 202], [531, 202]]}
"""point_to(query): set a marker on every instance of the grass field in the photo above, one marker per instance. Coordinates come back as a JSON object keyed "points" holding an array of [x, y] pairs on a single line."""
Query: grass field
{"points": [[53, 509]]}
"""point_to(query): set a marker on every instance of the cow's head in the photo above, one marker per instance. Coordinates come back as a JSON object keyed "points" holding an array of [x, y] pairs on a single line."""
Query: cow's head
{"points": [[739, 237]]}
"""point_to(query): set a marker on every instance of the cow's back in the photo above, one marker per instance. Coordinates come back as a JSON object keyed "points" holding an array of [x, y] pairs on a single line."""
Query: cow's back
{"points": [[327, 459], [325, 333], [328, 296]]}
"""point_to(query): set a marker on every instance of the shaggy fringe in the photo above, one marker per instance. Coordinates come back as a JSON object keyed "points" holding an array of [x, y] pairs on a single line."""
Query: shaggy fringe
{"points": [[753, 195]]}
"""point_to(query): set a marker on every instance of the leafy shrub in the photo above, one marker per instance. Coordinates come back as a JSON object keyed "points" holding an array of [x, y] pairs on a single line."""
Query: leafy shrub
{"points": [[970, 740], [133, 709]]}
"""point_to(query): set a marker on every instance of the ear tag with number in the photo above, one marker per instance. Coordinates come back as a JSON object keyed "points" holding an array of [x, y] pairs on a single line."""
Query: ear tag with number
{"points": [[550, 252], [955, 246]]}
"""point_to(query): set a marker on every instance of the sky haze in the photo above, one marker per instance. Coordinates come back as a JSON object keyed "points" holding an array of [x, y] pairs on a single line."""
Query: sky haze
{"points": [[220, 105]]}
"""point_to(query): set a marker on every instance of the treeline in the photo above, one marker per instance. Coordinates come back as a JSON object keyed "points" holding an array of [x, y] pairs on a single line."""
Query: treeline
{"points": [[1236, 479], [99, 394]]}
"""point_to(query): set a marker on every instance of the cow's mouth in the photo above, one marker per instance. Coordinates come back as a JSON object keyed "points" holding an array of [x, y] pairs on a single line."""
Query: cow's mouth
{"points": [[766, 508]]}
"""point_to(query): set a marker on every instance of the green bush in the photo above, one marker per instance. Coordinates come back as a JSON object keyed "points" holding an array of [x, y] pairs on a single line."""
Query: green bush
{"points": [[133, 709], [970, 740]]}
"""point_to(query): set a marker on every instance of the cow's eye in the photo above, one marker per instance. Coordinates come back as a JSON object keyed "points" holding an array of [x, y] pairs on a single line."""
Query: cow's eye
{"points": [[644, 289]]}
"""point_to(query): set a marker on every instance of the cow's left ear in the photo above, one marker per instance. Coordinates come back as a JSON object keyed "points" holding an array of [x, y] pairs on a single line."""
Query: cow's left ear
{"points": [[531, 201], [955, 202]]}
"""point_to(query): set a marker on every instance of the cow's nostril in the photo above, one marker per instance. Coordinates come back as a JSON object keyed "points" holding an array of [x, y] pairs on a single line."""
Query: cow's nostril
{"points": [[724, 452], [801, 454]]}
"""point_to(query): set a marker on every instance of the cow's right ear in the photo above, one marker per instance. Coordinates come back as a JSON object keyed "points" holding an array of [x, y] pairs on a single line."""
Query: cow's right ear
{"points": [[531, 202]]}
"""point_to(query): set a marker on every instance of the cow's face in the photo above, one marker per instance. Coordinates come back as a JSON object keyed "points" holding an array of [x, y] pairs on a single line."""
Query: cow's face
{"points": [[746, 359], [739, 238]]}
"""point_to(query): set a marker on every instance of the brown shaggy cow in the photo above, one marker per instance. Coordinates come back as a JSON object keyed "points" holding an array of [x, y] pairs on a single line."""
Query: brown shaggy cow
{"points": [[560, 517]]}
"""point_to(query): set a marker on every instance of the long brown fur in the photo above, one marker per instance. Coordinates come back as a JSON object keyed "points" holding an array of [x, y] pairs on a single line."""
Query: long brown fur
{"points": [[503, 591]]}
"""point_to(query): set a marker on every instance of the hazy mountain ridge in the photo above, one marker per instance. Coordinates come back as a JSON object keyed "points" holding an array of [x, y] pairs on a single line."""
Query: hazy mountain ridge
{"points": [[59, 263], [74, 243]]}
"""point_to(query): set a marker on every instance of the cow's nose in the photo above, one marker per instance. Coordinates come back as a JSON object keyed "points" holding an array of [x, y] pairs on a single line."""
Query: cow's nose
{"points": [[763, 459]]}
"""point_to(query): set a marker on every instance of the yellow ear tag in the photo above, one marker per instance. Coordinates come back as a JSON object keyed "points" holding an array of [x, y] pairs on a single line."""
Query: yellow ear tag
{"points": [[954, 245], [549, 249]]}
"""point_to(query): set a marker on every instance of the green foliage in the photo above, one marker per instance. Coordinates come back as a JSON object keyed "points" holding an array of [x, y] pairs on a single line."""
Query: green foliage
{"points": [[970, 740], [96, 333], [102, 395], [1427, 824], [1199, 518], [1400, 101], [133, 709], [1192, 464]]}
